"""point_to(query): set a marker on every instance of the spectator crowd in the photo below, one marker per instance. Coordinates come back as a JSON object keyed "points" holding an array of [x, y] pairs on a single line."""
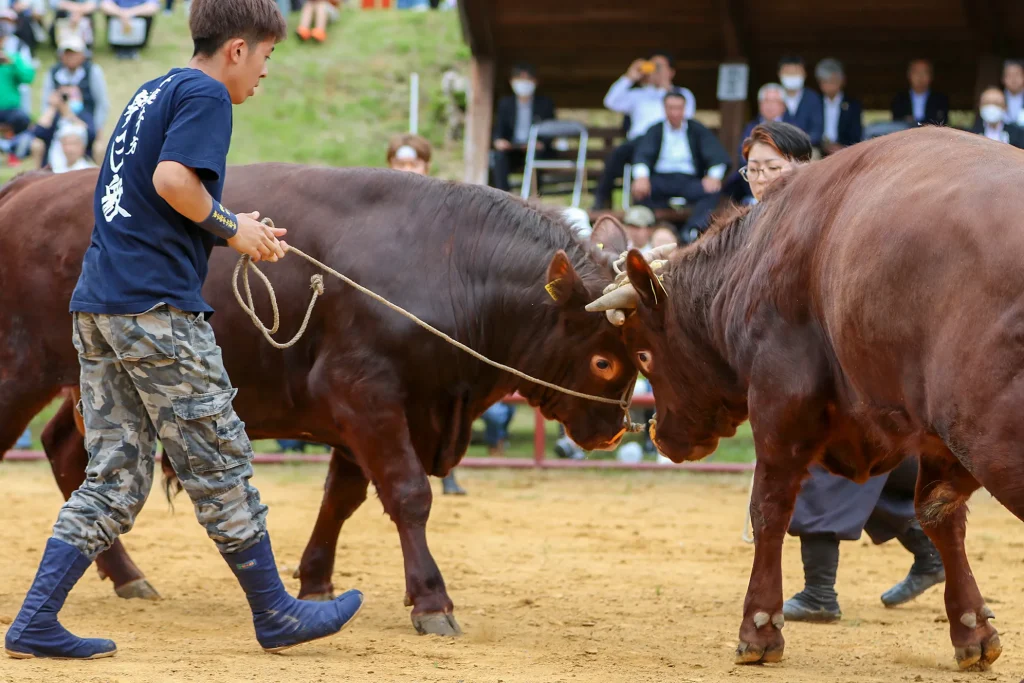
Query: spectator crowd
{"points": [[673, 161]]}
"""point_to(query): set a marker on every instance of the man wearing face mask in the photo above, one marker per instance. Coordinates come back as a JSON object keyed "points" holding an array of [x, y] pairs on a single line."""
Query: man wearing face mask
{"points": [[639, 95], [991, 119], [803, 105], [88, 95], [516, 114]]}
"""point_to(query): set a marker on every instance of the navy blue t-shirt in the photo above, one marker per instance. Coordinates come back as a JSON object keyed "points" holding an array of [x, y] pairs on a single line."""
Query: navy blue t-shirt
{"points": [[143, 252]]}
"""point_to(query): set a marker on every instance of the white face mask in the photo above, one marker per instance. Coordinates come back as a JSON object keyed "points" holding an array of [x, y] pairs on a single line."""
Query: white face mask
{"points": [[792, 82], [523, 87], [992, 114]]}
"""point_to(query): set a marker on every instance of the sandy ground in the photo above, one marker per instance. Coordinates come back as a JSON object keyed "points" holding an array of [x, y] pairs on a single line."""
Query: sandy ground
{"points": [[555, 576]]}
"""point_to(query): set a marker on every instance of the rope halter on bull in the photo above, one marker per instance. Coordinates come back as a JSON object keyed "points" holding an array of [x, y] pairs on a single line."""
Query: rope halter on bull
{"points": [[316, 283]]}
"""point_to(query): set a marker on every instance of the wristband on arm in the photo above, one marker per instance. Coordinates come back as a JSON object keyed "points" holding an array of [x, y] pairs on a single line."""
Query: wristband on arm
{"points": [[220, 222]]}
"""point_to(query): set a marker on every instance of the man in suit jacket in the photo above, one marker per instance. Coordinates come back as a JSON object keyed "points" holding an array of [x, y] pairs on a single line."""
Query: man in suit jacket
{"points": [[802, 104], [919, 104], [516, 113], [680, 158], [991, 119], [843, 116]]}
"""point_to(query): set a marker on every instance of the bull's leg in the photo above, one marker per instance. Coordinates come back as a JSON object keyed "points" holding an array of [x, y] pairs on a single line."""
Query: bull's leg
{"points": [[19, 403], [943, 487], [771, 507], [384, 448], [344, 492], [65, 449]]}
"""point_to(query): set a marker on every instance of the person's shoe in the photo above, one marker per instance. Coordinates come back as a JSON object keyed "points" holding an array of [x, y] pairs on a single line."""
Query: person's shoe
{"points": [[818, 601], [280, 620], [450, 487], [303, 33], [926, 571], [600, 204], [13, 161], [565, 448], [36, 632], [319, 35]]}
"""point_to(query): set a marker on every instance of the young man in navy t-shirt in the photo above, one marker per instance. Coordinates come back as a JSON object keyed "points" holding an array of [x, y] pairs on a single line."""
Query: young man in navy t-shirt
{"points": [[151, 367]]}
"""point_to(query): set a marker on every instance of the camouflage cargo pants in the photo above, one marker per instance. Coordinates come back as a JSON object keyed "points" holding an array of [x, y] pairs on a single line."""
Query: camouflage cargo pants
{"points": [[158, 374]]}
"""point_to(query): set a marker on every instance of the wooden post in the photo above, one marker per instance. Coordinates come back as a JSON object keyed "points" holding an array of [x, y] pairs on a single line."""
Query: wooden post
{"points": [[479, 112], [733, 111]]}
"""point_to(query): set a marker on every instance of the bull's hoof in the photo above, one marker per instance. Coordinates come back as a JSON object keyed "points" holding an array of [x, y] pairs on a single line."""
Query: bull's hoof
{"points": [[139, 589], [750, 653], [979, 657], [438, 624]]}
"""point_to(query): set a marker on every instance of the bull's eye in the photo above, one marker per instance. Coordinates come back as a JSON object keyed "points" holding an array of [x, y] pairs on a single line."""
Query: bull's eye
{"points": [[602, 367], [644, 358]]}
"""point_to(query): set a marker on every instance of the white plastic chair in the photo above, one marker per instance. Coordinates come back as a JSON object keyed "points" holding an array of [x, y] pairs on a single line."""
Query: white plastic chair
{"points": [[556, 129]]}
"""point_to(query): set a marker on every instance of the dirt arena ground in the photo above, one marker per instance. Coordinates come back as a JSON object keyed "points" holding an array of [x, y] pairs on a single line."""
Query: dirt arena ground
{"points": [[561, 576]]}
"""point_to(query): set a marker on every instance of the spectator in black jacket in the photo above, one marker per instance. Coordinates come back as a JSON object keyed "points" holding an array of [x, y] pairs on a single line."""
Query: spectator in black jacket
{"points": [[680, 158], [516, 113], [920, 104], [844, 124], [991, 119]]}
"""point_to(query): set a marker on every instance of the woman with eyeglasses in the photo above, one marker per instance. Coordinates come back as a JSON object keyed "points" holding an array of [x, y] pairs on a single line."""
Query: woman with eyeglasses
{"points": [[831, 508], [772, 149]]}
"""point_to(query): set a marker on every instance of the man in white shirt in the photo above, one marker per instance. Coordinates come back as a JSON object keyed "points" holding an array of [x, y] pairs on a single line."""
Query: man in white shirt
{"points": [[1013, 82], [843, 119], [920, 104], [680, 159], [639, 94], [991, 120]]}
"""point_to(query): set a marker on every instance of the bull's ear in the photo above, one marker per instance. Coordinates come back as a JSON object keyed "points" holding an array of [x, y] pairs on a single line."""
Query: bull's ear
{"points": [[564, 286], [650, 291], [609, 235]]}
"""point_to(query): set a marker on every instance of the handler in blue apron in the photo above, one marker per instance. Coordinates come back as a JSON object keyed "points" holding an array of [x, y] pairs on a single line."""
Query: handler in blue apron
{"points": [[831, 509]]}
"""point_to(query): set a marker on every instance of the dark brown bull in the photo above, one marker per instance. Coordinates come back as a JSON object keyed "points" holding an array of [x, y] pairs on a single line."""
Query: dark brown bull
{"points": [[395, 402], [872, 306]]}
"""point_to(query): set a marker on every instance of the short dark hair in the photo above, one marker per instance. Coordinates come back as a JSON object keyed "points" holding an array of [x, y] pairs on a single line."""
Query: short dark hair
{"points": [[785, 138], [674, 93], [1014, 62], [663, 53], [523, 68], [215, 22], [789, 60]]}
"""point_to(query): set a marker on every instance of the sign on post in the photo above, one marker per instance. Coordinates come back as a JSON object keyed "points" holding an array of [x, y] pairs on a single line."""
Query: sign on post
{"points": [[732, 82]]}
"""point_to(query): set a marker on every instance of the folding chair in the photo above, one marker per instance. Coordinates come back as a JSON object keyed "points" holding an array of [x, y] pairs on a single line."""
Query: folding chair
{"points": [[556, 129]]}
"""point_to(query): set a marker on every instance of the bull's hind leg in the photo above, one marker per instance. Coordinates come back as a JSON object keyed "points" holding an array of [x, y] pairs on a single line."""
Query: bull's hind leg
{"points": [[344, 492], [65, 449], [943, 487]]}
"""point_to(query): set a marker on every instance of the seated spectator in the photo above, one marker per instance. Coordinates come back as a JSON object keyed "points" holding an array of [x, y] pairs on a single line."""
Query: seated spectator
{"points": [[516, 114], [12, 43], [313, 19], [639, 223], [771, 106], [409, 152], [72, 139], [15, 71], [83, 81], [128, 25], [29, 16], [73, 16], [991, 119], [496, 419], [803, 105], [1013, 82], [843, 117], [919, 104], [680, 158], [62, 109], [663, 236], [640, 95]]}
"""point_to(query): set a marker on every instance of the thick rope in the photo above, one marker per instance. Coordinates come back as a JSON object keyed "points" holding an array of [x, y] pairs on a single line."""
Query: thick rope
{"points": [[245, 264]]}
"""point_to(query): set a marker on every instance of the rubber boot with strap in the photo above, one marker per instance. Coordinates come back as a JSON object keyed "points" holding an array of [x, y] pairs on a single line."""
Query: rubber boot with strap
{"points": [[36, 632], [818, 601], [926, 571], [282, 621]]}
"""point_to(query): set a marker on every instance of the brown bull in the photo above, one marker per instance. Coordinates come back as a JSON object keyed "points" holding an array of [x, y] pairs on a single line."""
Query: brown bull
{"points": [[867, 309], [395, 402]]}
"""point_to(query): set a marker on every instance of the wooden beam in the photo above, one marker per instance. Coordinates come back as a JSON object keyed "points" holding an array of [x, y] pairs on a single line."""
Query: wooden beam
{"points": [[479, 113], [477, 28]]}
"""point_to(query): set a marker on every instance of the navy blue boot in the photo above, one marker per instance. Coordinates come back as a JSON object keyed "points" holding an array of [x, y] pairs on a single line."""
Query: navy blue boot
{"points": [[36, 632], [281, 621]]}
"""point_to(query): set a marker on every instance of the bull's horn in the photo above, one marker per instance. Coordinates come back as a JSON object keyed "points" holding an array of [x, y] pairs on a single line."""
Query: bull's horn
{"points": [[661, 252], [616, 317], [623, 297]]}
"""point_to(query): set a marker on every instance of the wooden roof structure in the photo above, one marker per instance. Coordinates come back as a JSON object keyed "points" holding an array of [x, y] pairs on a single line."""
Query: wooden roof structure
{"points": [[580, 47]]}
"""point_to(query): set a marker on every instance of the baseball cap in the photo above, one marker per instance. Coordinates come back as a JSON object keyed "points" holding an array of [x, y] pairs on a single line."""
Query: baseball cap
{"points": [[71, 41], [640, 216]]}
